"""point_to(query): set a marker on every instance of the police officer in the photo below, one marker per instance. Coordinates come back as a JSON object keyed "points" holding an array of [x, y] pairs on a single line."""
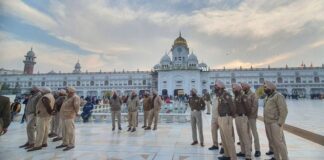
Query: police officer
{"points": [[207, 101], [241, 121], [226, 111], [275, 113], [115, 104], [197, 105], [133, 105], [147, 107], [214, 124], [30, 113], [44, 109], [154, 113], [253, 102]]}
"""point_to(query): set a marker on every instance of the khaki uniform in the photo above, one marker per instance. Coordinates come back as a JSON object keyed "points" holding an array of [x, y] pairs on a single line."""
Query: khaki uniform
{"points": [[154, 113], [4, 113], [58, 119], [68, 112], [30, 113], [147, 107], [241, 122], [207, 101], [132, 105], [115, 105], [43, 119], [197, 105], [226, 111], [214, 122], [275, 113], [253, 102]]}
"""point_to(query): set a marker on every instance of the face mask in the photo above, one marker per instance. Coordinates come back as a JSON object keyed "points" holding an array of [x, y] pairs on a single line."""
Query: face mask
{"points": [[267, 91], [217, 91]]}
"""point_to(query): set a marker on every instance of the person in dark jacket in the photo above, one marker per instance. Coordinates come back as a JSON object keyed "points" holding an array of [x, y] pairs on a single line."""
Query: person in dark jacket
{"points": [[4, 114], [87, 110]]}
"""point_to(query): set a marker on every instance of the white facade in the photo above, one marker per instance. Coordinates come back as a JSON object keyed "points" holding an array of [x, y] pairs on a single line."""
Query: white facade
{"points": [[179, 72]]}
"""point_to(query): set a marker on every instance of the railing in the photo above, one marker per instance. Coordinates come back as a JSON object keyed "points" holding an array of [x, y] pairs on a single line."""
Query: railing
{"points": [[169, 113]]}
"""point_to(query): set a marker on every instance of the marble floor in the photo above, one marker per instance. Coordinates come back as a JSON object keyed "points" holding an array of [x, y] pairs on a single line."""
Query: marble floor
{"points": [[96, 141]]}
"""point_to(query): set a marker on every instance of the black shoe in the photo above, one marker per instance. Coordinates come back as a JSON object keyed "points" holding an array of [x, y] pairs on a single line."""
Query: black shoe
{"points": [[224, 158], [120, 128], [30, 146], [154, 128], [238, 143], [248, 159], [68, 148], [57, 139], [208, 113], [143, 126], [269, 153], [272, 158], [148, 128], [129, 129], [202, 144], [221, 151], [60, 146], [51, 135], [113, 128], [194, 143], [213, 147], [24, 145], [44, 145], [133, 130], [240, 154], [257, 154], [34, 149]]}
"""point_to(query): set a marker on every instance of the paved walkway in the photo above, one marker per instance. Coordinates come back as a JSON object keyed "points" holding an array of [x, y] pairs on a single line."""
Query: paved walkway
{"points": [[171, 141]]}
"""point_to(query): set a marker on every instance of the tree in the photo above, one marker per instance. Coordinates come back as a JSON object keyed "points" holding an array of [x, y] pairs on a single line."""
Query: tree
{"points": [[4, 86], [260, 92]]}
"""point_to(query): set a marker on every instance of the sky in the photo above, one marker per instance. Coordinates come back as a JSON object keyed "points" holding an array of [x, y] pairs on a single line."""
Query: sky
{"points": [[112, 35]]}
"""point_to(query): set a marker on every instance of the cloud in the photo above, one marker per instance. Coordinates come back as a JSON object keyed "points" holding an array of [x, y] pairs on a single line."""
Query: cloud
{"points": [[267, 61], [28, 14], [133, 34]]}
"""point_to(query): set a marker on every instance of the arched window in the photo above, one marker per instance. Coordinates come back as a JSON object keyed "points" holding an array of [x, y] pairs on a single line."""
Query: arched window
{"points": [[78, 83], [298, 80], [261, 80], [91, 83], [279, 79]]}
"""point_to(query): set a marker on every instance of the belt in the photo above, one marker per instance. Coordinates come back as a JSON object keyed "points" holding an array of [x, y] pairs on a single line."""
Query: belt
{"points": [[195, 110], [241, 114], [224, 115]]}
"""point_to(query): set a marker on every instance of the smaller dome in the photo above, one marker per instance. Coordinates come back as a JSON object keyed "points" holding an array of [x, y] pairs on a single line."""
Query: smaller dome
{"points": [[77, 65], [31, 53], [157, 66], [165, 59], [192, 57]]}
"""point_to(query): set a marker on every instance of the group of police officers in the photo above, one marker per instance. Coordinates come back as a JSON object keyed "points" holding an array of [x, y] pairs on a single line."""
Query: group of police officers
{"points": [[57, 111], [45, 110], [243, 107]]}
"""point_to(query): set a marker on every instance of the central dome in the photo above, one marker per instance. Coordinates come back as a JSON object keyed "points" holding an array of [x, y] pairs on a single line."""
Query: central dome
{"points": [[180, 41]]}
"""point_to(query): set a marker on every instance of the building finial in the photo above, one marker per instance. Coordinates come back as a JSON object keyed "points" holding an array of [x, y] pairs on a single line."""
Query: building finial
{"points": [[31, 48], [179, 33]]}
